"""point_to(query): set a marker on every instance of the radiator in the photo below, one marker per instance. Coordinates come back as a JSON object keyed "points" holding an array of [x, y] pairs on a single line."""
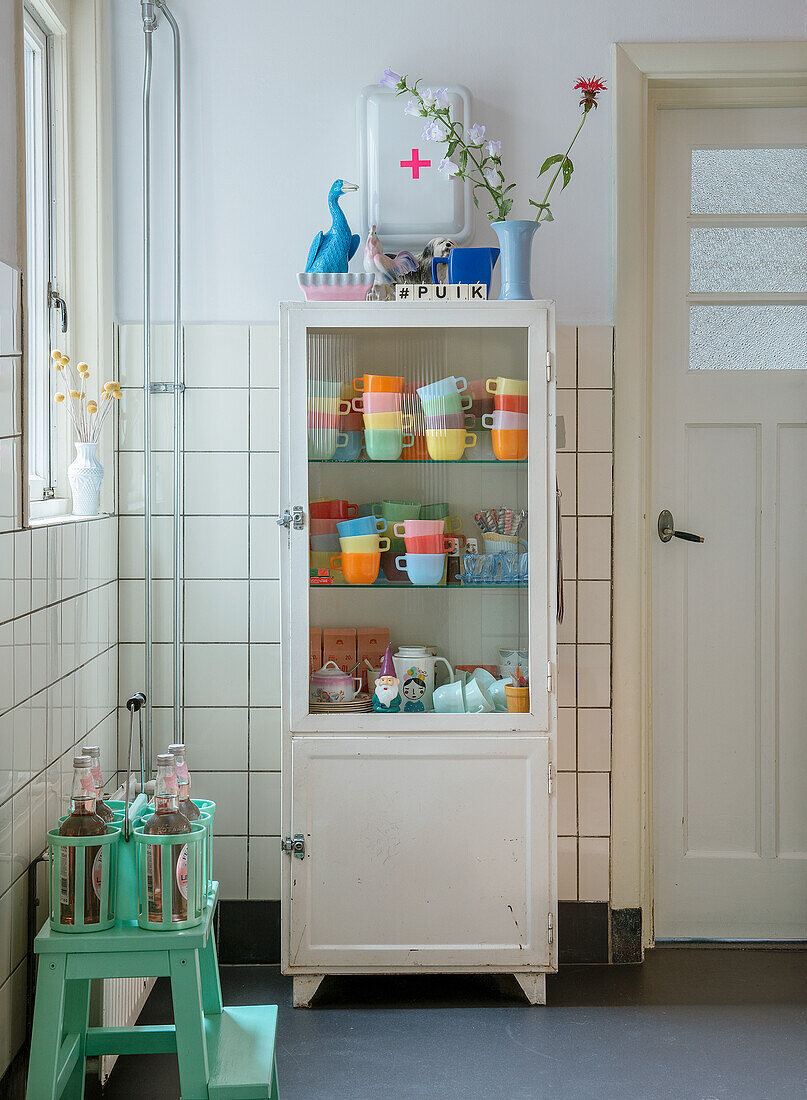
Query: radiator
{"points": [[121, 1001]]}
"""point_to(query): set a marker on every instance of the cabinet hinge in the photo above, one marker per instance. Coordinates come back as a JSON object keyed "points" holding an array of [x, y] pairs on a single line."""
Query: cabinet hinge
{"points": [[550, 928], [549, 777], [549, 677], [294, 845], [549, 366]]}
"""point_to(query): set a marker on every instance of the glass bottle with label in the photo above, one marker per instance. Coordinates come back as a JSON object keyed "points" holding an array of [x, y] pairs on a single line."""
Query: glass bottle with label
{"points": [[167, 819], [101, 807], [188, 808], [82, 821]]}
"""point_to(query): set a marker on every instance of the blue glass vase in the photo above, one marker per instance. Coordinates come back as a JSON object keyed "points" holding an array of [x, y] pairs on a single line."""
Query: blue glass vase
{"points": [[515, 241]]}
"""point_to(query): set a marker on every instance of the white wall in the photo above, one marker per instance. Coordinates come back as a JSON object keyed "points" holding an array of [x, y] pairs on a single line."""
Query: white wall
{"points": [[269, 107]]}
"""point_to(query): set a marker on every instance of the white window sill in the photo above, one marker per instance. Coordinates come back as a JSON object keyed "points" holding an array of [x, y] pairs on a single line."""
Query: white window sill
{"points": [[47, 513]]}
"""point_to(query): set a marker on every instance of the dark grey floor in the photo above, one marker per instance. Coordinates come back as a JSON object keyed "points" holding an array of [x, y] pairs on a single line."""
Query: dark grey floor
{"points": [[700, 1023]]}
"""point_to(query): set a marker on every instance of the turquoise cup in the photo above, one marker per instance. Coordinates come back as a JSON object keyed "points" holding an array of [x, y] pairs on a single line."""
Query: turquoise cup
{"points": [[386, 444], [422, 568]]}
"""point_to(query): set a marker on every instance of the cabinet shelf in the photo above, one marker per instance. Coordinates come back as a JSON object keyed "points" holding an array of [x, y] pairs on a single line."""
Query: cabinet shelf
{"points": [[437, 587], [416, 462]]}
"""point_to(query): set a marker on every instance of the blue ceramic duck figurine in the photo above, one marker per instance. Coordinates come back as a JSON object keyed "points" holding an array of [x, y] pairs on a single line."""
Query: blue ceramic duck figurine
{"points": [[331, 251]]}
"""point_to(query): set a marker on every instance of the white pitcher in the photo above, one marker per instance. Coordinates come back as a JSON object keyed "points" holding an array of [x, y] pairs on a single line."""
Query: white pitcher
{"points": [[417, 663]]}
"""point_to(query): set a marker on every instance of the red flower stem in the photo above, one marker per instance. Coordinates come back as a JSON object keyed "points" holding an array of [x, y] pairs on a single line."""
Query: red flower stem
{"points": [[561, 163]]}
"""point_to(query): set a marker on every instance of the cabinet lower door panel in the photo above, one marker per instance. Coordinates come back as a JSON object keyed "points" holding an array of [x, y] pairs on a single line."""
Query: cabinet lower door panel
{"points": [[420, 851]]}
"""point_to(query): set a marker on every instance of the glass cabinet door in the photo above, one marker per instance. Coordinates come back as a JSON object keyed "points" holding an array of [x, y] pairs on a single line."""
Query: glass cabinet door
{"points": [[419, 454]]}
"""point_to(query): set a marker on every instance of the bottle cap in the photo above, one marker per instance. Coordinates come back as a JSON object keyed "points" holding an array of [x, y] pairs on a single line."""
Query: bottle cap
{"points": [[174, 749], [82, 761], [165, 760], [91, 750]]}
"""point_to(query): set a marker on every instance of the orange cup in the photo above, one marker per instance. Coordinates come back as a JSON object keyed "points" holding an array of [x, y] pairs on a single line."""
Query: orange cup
{"points": [[378, 383], [418, 452], [509, 445], [506, 402], [357, 568]]}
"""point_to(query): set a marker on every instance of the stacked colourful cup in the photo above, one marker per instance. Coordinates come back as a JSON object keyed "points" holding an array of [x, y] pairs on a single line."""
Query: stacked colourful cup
{"points": [[444, 406], [508, 421], [395, 511], [325, 407], [349, 449], [386, 430], [323, 539], [426, 547]]}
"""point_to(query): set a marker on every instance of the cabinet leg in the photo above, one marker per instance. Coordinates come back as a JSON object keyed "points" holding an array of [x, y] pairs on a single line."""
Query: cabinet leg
{"points": [[46, 1039], [76, 1019], [209, 970], [305, 988], [534, 987], [186, 993]]}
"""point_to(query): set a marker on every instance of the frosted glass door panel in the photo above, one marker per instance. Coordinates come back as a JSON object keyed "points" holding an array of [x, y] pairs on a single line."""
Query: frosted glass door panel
{"points": [[757, 337], [748, 259], [749, 181]]}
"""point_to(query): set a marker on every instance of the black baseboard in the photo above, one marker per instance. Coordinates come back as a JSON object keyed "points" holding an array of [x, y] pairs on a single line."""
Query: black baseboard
{"points": [[626, 936], [13, 1081], [249, 932]]}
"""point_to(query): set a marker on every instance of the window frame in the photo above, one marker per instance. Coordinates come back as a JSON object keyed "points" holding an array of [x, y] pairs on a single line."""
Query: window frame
{"points": [[45, 447]]}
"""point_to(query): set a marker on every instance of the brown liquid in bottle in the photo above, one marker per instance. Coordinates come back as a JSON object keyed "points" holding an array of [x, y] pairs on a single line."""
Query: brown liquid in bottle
{"points": [[167, 819], [83, 821]]}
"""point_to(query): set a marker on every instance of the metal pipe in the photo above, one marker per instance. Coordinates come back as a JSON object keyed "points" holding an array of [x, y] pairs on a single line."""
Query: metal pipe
{"points": [[149, 22], [179, 387]]}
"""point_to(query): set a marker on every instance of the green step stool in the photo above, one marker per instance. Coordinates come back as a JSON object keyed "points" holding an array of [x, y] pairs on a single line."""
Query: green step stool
{"points": [[222, 1052]]}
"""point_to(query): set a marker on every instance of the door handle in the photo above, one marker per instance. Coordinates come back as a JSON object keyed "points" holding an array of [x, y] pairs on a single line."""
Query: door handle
{"points": [[666, 529], [57, 302]]}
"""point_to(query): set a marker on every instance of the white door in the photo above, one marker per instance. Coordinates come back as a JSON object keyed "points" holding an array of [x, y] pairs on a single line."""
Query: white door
{"points": [[425, 850], [729, 459]]}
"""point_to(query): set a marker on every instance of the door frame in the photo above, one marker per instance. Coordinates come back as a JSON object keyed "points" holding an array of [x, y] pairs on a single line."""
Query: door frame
{"points": [[647, 78]]}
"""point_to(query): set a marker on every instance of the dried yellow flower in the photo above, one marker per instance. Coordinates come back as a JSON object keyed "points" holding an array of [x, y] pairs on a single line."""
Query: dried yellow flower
{"points": [[64, 360], [82, 367], [56, 354], [59, 398], [75, 393]]}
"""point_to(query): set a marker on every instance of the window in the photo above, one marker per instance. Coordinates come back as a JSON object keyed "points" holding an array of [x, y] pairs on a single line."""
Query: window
{"points": [[748, 259], [44, 187]]}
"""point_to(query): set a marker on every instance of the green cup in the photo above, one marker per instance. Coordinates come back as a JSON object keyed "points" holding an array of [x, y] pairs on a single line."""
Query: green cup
{"points": [[396, 510]]}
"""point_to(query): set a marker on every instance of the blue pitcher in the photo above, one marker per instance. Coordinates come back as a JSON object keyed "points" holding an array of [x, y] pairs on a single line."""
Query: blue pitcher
{"points": [[468, 265]]}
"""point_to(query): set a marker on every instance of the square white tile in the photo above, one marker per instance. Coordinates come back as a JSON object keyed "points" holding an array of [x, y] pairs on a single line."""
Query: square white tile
{"points": [[595, 356], [230, 866], [264, 548], [217, 355], [216, 738], [264, 420], [10, 386], [264, 868], [264, 803], [264, 738], [216, 420], [593, 803], [566, 469], [567, 690], [567, 739], [216, 611], [264, 611], [10, 483], [216, 484], [568, 536], [594, 675], [593, 611], [131, 483], [568, 628], [229, 791], [566, 355], [264, 484], [264, 676], [6, 577], [264, 356], [566, 407], [216, 675], [567, 804], [594, 484], [594, 739], [216, 546], [594, 548], [567, 868], [594, 420], [594, 868]]}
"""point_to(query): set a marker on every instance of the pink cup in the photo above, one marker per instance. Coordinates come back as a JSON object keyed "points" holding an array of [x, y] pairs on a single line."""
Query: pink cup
{"points": [[505, 421], [430, 544], [377, 403], [418, 527], [324, 420], [323, 526]]}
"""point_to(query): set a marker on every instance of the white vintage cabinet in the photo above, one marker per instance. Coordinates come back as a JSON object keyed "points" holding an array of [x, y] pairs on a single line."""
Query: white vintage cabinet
{"points": [[425, 841]]}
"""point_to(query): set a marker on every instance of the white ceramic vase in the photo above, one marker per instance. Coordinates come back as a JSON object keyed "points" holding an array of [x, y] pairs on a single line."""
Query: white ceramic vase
{"points": [[85, 474]]}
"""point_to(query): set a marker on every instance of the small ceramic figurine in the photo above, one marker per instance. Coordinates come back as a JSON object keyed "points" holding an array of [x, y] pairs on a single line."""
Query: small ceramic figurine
{"points": [[437, 247], [387, 694], [387, 269], [414, 688], [331, 251]]}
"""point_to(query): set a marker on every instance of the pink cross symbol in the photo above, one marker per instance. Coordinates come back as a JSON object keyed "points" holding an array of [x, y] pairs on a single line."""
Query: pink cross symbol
{"points": [[416, 164]]}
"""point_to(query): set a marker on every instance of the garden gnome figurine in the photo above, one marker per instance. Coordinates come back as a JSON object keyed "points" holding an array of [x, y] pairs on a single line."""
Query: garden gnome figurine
{"points": [[387, 694]]}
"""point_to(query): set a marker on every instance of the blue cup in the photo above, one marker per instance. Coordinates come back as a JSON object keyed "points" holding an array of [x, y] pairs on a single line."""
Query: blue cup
{"points": [[443, 387], [422, 568], [350, 449], [364, 525], [468, 265]]}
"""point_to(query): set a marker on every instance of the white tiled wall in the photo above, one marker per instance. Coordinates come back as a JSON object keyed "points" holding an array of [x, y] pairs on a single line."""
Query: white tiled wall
{"points": [[585, 396], [231, 591], [230, 588]]}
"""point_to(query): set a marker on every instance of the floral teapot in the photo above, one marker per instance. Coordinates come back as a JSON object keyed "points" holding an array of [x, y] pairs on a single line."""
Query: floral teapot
{"points": [[331, 685]]}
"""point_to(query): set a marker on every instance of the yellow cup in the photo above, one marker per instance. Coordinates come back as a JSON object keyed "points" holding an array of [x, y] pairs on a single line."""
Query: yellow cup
{"points": [[388, 420], [513, 387], [364, 544], [448, 444]]}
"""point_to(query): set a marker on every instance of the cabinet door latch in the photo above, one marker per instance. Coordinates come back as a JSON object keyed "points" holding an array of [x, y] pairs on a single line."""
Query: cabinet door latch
{"points": [[549, 777], [295, 845], [550, 928], [292, 518], [549, 366], [549, 677]]}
